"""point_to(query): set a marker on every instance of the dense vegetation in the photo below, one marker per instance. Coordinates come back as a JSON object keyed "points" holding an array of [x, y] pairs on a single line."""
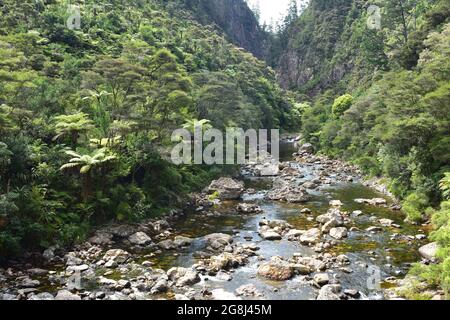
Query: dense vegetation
{"points": [[86, 114], [379, 98]]}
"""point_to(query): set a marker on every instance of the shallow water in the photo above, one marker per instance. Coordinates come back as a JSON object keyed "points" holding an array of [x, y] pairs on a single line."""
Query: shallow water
{"points": [[392, 257], [364, 249]]}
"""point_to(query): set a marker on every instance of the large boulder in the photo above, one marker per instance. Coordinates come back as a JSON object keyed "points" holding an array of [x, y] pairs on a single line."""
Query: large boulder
{"points": [[276, 269], [227, 188], [429, 251]]}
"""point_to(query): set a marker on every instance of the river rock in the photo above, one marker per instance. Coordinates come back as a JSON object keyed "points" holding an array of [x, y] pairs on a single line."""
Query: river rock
{"points": [[8, 297], [293, 234], [101, 239], [321, 279], [221, 294], [306, 211], [183, 276], [276, 269], [248, 290], [306, 148], [160, 286], [218, 241], [352, 293], [339, 233], [374, 201], [270, 235], [140, 239], [66, 295], [330, 292], [80, 268], [49, 253], [26, 282], [225, 261], [311, 236], [167, 245], [72, 259], [332, 215], [121, 231], [336, 203], [248, 208], [181, 241], [44, 296], [116, 255], [297, 196], [374, 229], [386, 222], [37, 272], [429, 251], [227, 188]]}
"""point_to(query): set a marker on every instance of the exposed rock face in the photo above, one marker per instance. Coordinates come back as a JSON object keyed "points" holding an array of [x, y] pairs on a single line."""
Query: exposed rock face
{"points": [[311, 61], [235, 18], [227, 188], [276, 269]]}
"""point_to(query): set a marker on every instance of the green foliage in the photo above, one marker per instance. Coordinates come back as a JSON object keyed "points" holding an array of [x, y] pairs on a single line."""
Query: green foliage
{"points": [[112, 92], [439, 274], [342, 104], [415, 205]]}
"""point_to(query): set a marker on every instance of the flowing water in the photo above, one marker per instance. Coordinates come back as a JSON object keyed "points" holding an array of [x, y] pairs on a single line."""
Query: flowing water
{"points": [[392, 257]]}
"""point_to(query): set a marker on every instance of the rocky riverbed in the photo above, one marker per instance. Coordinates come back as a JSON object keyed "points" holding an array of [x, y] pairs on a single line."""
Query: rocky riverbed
{"points": [[314, 230]]}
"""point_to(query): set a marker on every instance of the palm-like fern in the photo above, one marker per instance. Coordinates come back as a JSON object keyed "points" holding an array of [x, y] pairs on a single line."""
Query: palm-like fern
{"points": [[204, 124], [87, 164], [445, 185], [72, 125]]}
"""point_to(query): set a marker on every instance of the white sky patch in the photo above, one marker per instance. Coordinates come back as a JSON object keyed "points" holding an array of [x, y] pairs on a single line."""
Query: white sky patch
{"points": [[271, 10]]}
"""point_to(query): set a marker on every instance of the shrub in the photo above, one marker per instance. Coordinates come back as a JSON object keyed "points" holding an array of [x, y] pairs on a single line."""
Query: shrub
{"points": [[342, 104], [415, 205]]}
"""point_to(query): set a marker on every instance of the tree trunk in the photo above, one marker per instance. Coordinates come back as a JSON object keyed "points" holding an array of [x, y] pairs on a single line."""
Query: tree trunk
{"points": [[86, 188]]}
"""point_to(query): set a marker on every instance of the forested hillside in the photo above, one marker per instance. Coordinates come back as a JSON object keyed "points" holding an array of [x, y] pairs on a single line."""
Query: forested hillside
{"points": [[379, 97], [86, 113]]}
